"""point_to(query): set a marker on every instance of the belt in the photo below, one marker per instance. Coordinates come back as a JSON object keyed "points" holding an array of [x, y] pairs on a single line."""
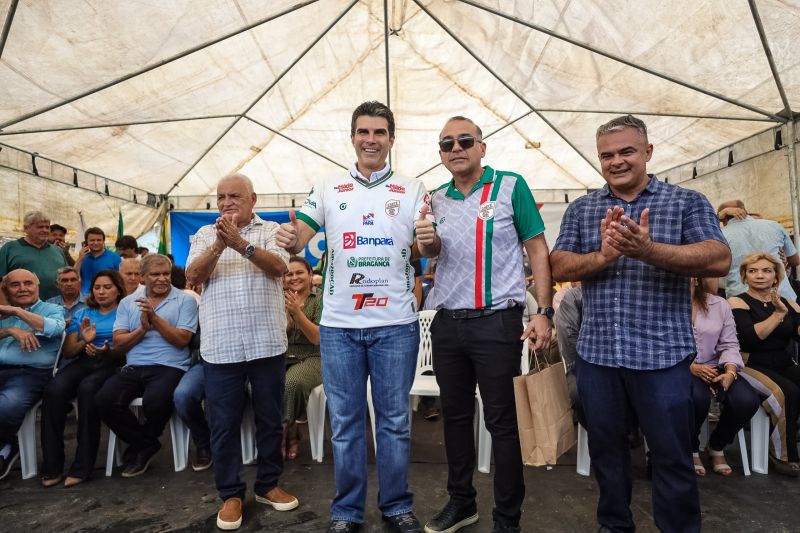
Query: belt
{"points": [[458, 314]]}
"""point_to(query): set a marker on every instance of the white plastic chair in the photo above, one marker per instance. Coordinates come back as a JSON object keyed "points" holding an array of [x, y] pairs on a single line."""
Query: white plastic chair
{"points": [[26, 436], [247, 432], [178, 432], [759, 442], [315, 409]]}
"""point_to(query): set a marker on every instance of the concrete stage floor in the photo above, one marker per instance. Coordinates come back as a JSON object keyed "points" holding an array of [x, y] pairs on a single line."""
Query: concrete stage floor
{"points": [[557, 500]]}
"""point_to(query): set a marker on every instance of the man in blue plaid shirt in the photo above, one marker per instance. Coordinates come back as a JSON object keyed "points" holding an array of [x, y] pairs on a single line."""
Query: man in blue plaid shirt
{"points": [[634, 244]]}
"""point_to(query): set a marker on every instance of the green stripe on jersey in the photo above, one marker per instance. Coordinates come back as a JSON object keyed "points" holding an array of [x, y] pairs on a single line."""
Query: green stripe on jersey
{"points": [[487, 252], [308, 220]]}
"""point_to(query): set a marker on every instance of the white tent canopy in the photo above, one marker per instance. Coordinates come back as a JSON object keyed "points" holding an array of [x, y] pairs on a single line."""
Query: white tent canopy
{"points": [[167, 97]]}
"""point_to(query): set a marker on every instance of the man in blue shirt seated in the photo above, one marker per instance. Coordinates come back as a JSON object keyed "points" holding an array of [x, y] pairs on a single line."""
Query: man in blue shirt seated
{"points": [[68, 283], [93, 257], [154, 325], [30, 337]]}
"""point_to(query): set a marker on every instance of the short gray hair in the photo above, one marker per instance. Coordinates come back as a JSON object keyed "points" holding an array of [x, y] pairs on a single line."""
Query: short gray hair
{"points": [[621, 123], [147, 261], [32, 217], [238, 176], [67, 270]]}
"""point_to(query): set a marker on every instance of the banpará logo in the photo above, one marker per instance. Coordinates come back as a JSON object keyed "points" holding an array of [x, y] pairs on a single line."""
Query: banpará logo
{"points": [[395, 189], [362, 280], [344, 187], [351, 240], [342, 206], [368, 219], [361, 262], [392, 207], [368, 299]]}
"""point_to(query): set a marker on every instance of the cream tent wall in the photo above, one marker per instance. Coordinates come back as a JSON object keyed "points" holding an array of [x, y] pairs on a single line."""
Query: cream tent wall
{"points": [[157, 100]]}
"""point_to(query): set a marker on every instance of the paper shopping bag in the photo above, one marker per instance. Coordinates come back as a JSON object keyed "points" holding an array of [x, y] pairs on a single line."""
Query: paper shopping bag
{"points": [[544, 415]]}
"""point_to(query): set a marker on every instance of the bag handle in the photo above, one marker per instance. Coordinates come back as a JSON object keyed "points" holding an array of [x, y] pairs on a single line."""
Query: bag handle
{"points": [[539, 367]]}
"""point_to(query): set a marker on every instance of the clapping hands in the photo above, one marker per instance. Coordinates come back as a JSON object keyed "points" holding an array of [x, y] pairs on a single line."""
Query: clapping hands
{"points": [[621, 235]]}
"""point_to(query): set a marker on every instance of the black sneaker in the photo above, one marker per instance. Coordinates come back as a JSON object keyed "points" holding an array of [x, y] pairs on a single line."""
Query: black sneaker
{"points": [[343, 526], [403, 523], [8, 462], [141, 462], [501, 528], [202, 459], [453, 517]]}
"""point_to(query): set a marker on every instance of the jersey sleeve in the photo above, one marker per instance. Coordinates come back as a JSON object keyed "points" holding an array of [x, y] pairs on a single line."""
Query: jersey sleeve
{"points": [[527, 218], [313, 210]]}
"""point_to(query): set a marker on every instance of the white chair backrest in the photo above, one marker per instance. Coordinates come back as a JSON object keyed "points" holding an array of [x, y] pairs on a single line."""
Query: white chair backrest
{"points": [[58, 355], [425, 354]]}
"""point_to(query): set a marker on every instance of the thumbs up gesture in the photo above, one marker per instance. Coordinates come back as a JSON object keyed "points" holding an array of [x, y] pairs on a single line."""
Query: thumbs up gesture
{"points": [[426, 233], [286, 237]]}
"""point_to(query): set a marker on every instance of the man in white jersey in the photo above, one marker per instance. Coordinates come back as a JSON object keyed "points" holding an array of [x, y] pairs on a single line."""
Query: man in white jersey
{"points": [[369, 322]]}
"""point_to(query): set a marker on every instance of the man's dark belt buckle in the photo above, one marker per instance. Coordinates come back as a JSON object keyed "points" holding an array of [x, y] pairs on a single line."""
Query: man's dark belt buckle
{"points": [[461, 314]]}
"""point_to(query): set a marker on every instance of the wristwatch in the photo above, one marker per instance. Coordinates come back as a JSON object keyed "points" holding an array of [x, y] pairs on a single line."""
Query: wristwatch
{"points": [[549, 312], [249, 251]]}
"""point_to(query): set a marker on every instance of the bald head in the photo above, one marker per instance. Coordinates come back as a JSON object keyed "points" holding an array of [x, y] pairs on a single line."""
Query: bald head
{"points": [[131, 274], [21, 287]]}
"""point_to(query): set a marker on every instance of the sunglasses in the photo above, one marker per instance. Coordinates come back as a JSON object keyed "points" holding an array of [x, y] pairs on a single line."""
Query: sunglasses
{"points": [[464, 141]]}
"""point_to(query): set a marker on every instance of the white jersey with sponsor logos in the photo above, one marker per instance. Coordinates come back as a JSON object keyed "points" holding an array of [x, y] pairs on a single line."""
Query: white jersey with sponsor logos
{"points": [[369, 229]]}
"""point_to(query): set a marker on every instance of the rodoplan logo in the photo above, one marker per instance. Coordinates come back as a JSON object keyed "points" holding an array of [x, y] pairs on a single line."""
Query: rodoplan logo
{"points": [[368, 299], [351, 240]]}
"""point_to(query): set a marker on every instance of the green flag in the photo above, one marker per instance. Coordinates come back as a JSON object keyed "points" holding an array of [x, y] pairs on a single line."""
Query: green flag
{"points": [[162, 240], [120, 229]]}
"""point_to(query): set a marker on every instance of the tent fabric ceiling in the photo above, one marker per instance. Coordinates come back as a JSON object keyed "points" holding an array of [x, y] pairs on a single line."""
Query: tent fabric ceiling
{"points": [[170, 96]]}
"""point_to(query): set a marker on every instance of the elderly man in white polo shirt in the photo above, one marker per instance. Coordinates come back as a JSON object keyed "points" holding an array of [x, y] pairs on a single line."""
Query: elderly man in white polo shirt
{"points": [[242, 337]]}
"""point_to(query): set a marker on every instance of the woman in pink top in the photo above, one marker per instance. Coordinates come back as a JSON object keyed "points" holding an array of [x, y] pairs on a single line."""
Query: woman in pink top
{"points": [[715, 373]]}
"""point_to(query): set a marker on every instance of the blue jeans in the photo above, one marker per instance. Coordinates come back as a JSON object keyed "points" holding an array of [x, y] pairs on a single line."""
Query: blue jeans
{"points": [[225, 397], [388, 355], [20, 388], [188, 398], [662, 402]]}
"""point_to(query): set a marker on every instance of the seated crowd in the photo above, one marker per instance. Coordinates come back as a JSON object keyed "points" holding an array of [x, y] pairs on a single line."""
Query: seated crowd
{"points": [[130, 330], [134, 334]]}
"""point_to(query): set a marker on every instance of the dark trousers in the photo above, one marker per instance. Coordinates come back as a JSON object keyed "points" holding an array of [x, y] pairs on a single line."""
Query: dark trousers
{"points": [[81, 379], [662, 402], [738, 407], [788, 379], [225, 401], [20, 388], [486, 351], [155, 384]]}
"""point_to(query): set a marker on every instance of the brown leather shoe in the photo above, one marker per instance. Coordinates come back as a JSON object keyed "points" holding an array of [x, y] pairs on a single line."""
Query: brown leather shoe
{"points": [[279, 500], [230, 515]]}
